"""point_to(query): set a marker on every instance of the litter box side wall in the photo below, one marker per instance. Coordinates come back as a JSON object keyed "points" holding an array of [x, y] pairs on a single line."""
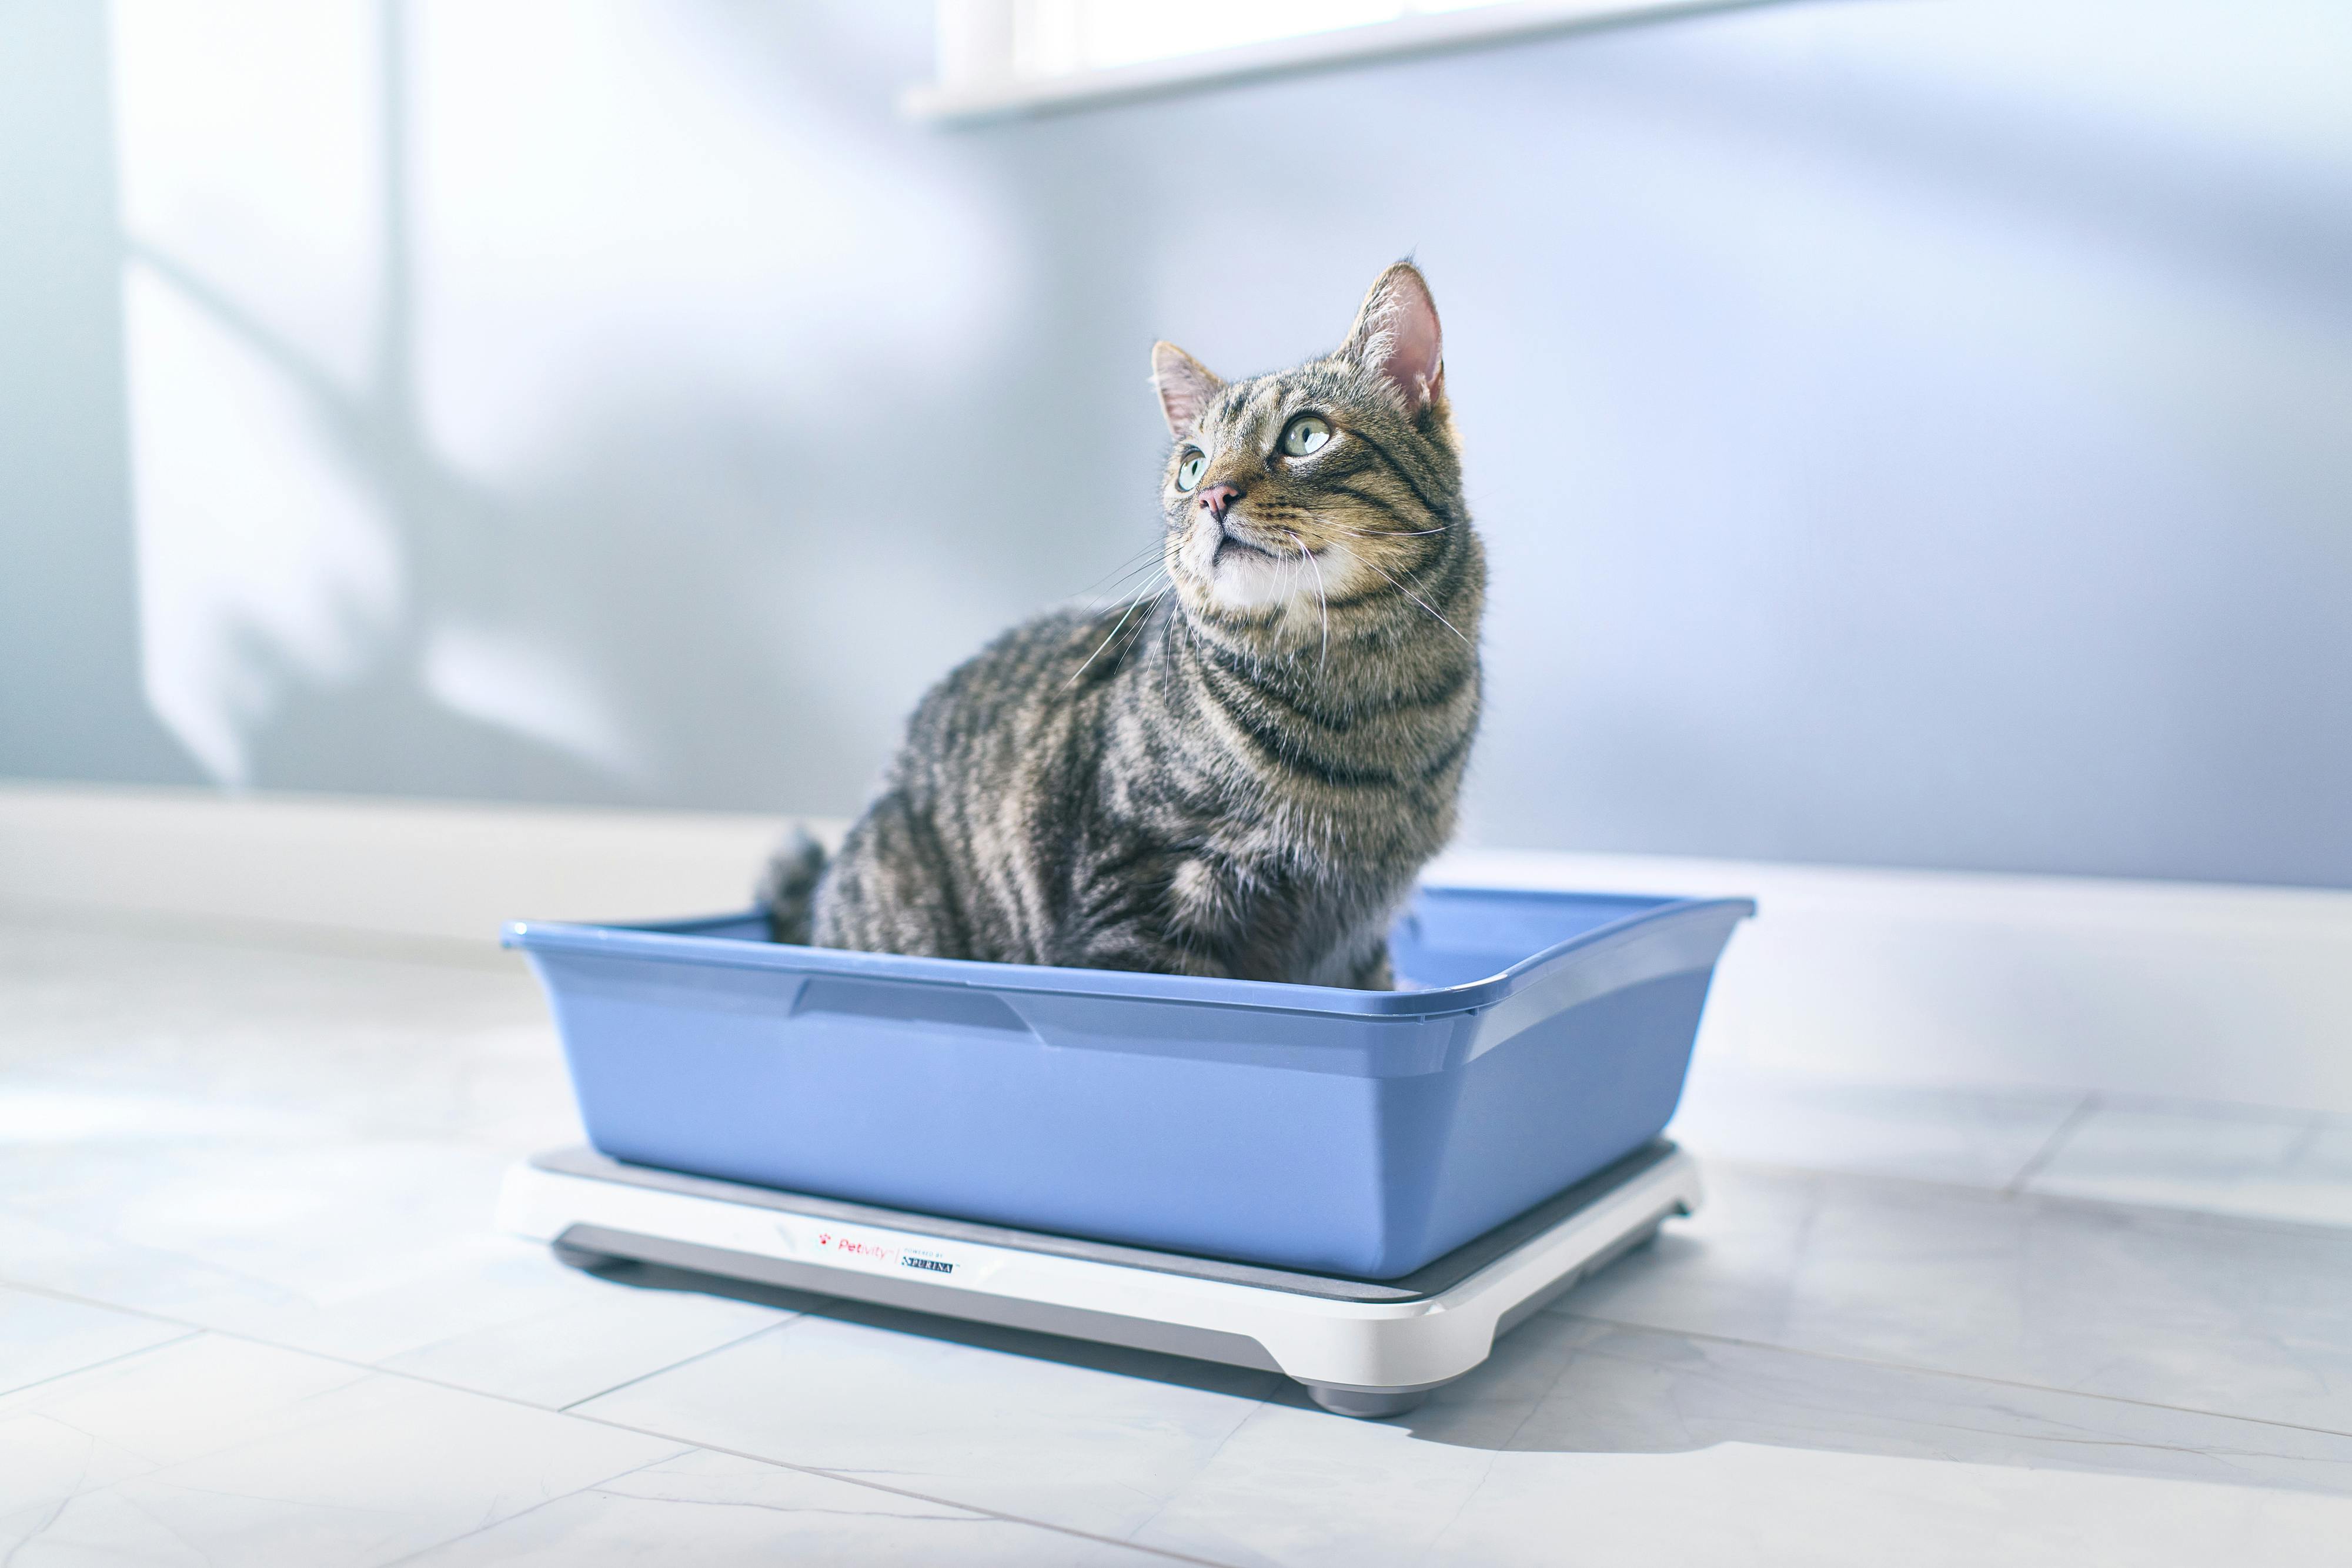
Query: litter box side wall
{"points": [[1588, 1068], [1568, 1096], [950, 1099]]}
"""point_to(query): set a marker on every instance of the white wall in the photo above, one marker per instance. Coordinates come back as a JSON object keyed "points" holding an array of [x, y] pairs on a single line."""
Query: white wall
{"points": [[1908, 433]]}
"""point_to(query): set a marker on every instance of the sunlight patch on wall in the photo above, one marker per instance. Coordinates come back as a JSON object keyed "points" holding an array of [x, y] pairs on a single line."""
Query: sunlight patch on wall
{"points": [[250, 150], [248, 169], [529, 689], [263, 565], [422, 295]]}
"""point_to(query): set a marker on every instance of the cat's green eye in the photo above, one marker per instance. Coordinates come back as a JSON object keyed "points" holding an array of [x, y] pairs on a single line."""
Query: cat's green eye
{"points": [[1307, 435], [1187, 473]]}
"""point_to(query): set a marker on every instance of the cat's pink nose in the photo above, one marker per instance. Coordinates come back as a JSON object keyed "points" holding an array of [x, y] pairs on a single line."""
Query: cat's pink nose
{"points": [[1217, 497]]}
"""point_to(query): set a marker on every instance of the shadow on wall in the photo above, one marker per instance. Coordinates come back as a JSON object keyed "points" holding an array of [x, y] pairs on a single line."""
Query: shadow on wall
{"points": [[69, 698], [567, 429], [1904, 435]]}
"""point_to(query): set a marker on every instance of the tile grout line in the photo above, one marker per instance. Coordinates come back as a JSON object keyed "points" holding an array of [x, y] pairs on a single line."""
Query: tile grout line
{"points": [[534, 1508], [1560, 1311], [1915, 1370], [2059, 1137], [2314, 1130], [1912, 1368], [2176, 1213], [854, 1479], [1255, 1414], [198, 1330], [103, 1361], [2216, 1109], [632, 1381]]}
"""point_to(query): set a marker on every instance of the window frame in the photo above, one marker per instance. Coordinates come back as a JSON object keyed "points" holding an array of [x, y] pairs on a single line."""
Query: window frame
{"points": [[977, 78]]}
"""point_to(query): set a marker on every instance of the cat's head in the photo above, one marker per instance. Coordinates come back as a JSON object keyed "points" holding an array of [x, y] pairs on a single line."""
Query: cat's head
{"points": [[1318, 490]]}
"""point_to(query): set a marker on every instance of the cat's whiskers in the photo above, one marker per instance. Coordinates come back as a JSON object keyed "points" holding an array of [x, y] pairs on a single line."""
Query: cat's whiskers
{"points": [[1382, 533], [1144, 549], [1133, 605], [1322, 602], [1150, 559], [1417, 599]]}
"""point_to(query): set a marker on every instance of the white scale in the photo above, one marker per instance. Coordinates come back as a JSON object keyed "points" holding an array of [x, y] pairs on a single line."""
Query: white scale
{"points": [[1363, 1347]]}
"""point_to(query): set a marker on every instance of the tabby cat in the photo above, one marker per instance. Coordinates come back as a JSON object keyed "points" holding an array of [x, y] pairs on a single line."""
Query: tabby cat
{"points": [[1238, 775]]}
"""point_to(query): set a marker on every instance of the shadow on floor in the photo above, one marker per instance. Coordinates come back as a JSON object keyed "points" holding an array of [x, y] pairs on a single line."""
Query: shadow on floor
{"points": [[1117, 1360], [1563, 1384]]}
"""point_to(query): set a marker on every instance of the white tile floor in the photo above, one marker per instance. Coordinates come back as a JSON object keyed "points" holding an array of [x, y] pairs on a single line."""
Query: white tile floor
{"points": [[251, 1313]]}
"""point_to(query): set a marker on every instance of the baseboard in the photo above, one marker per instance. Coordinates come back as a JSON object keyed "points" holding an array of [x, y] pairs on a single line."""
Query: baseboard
{"points": [[409, 868], [2200, 991], [2196, 990]]}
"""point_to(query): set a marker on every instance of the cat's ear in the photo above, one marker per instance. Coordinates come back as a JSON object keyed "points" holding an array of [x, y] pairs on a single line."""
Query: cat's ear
{"points": [[1396, 336], [1186, 387]]}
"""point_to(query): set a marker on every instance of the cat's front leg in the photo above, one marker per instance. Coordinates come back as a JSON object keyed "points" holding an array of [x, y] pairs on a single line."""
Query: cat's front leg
{"points": [[1148, 952]]}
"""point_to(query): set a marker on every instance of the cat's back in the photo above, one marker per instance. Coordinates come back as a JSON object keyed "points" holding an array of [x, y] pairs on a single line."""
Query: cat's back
{"points": [[961, 854], [1032, 687]]}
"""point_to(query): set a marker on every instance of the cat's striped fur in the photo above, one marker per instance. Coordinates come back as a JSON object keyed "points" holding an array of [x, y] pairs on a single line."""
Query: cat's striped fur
{"points": [[1242, 775]]}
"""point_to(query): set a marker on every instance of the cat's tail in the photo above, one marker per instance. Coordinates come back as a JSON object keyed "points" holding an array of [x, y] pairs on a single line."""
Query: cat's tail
{"points": [[788, 887]]}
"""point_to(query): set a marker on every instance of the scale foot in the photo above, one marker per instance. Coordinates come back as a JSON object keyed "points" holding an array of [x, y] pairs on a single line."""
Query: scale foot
{"points": [[1368, 1403], [573, 1257]]}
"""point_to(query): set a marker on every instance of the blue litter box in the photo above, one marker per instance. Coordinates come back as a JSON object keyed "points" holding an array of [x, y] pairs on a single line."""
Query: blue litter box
{"points": [[1545, 1035]]}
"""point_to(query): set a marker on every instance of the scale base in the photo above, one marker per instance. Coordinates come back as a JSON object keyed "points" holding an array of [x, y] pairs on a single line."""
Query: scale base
{"points": [[1366, 1348]]}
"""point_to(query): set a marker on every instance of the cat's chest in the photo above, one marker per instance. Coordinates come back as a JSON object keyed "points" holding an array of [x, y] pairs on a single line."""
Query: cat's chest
{"points": [[1273, 827], [1259, 884]]}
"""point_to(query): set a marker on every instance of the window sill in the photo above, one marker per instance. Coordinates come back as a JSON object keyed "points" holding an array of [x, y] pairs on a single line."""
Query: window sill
{"points": [[948, 103]]}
